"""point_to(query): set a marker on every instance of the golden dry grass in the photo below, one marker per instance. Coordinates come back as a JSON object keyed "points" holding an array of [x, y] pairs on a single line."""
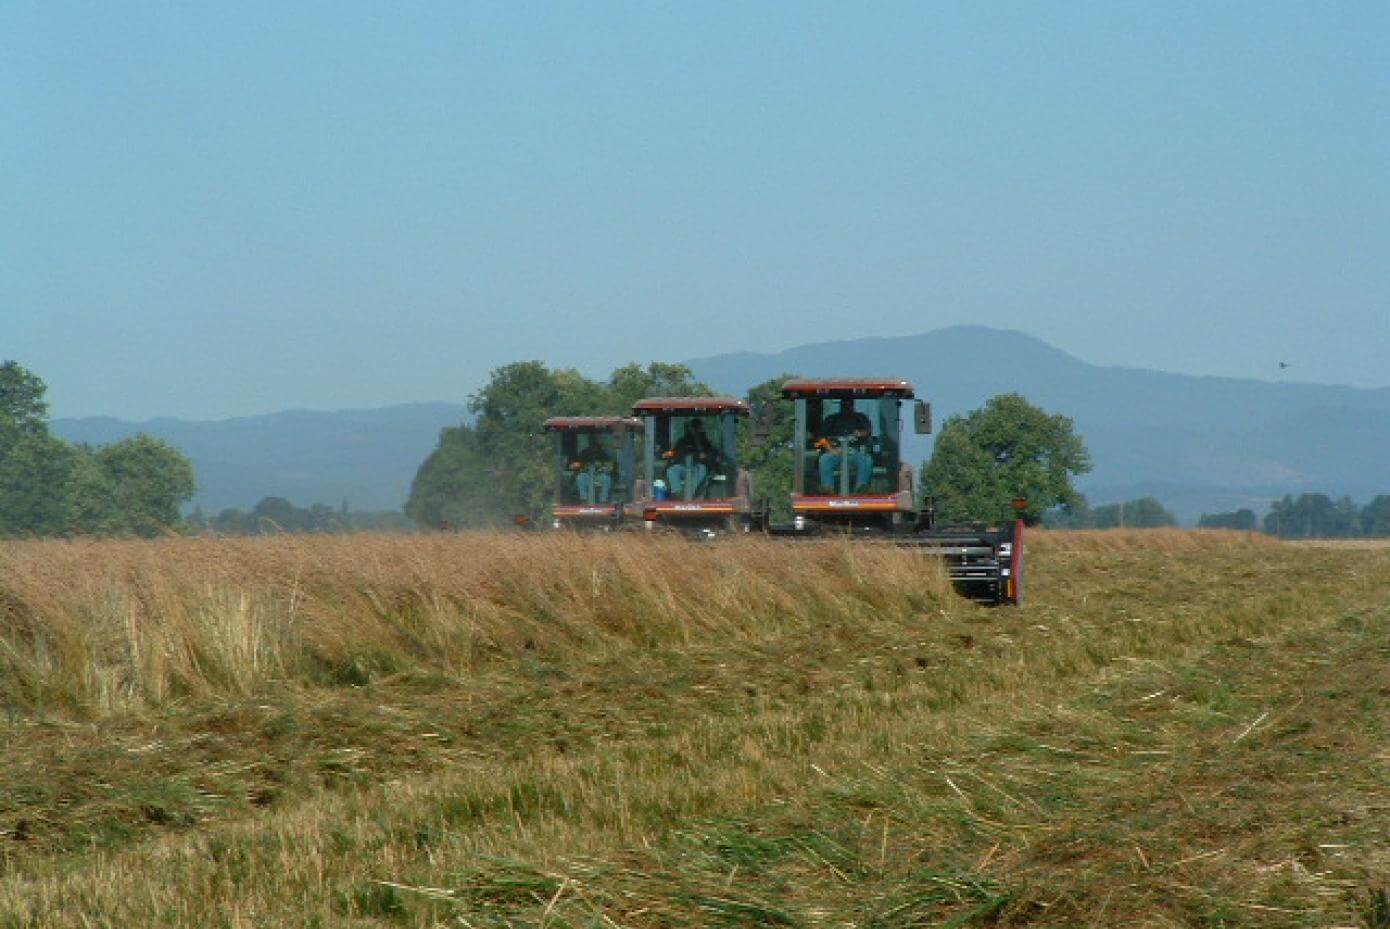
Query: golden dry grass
{"points": [[1146, 540], [1177, 729], [95, 627]]}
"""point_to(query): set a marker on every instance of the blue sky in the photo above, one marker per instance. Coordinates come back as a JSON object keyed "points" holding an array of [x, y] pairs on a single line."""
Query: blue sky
{"points": [[218, 209]]}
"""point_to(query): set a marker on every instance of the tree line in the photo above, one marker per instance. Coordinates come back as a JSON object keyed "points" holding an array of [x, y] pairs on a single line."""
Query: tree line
{"points": [[1310, 516], [51, 487], [1142, 513], [273, 515], [1306, 516], [498, 467]]}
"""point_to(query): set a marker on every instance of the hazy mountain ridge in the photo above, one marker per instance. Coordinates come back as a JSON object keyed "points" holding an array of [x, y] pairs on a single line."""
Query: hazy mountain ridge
{"points": [[367, 457], [1197, 443]]}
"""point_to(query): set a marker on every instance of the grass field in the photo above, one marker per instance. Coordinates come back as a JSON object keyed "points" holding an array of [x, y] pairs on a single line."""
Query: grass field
{"points": [[1177, 729]]}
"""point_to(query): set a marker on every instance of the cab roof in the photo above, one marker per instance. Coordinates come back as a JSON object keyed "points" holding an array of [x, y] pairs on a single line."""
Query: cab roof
{"points": [[590, 423], [680, 405], [847, 387]]}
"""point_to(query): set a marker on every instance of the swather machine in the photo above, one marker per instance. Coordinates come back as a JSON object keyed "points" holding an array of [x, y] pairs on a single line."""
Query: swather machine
{"points": [[849, 479], [690, 479], [595, 468]]}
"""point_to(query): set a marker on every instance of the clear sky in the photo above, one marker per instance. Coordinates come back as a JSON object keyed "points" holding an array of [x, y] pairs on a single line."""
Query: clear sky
{"points": [[226, 208]]}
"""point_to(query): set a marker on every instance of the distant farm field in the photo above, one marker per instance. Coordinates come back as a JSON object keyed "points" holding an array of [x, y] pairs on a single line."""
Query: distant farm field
{"points": [[1176, 729]]}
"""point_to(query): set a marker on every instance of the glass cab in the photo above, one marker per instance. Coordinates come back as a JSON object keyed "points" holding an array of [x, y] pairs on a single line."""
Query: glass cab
{"points": [[691, 451], [848, 440], [595, 460]]}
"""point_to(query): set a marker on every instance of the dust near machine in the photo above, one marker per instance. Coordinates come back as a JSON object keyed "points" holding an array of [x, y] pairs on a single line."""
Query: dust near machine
{"points": [[595, 469], [691, 480], [849, 479]]}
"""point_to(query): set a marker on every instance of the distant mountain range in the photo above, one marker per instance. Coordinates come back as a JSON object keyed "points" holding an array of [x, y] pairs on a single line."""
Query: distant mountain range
{"points": [[366, 457], [1199, 444]]}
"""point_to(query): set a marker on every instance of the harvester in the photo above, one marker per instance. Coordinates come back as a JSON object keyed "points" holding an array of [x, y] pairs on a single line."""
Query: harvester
{"points": [[690, 479], [595, 465], [849, 479]]}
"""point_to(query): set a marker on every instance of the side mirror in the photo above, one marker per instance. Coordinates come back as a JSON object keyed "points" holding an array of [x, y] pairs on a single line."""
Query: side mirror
{"points": [[922, 416]]}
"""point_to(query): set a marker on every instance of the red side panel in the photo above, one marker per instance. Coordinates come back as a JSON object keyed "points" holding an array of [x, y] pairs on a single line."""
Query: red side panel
{"points": [[1016, 565], [655, 509], [886, 503], [583, 510]]}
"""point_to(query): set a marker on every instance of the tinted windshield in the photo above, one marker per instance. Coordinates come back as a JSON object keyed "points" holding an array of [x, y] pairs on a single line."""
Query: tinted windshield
{"points": [[595, 467], [693, 456], [849, 446]]}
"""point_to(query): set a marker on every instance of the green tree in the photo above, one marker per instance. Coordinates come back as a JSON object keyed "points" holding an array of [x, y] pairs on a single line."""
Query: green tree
{"points": [[274, 515], [48, 487], [34, 466], [1313, 516], [501, 465], [22, 403], [1242, 519], [454, 487], [508, 433], [34, 473], [633, 382], [1006, 450], [1375, 516], [91, 496], [1074, 515], [1143, 513], [765, 445], [232, 521], [146, 482]]}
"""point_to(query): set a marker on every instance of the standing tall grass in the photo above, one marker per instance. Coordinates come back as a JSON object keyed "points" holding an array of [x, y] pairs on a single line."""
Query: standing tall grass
{"points": [[95, 627]]}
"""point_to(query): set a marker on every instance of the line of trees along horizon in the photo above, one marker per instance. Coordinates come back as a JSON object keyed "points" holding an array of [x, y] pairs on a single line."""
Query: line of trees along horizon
{"points": [[273, 515], [1311, 516], [1306, 516], [1141, 513], [500, 466]]}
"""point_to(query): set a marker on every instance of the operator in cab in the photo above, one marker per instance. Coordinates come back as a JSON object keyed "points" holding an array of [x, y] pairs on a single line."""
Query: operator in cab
{"points": [[696, 447], [593, 478], [845, 436]]}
